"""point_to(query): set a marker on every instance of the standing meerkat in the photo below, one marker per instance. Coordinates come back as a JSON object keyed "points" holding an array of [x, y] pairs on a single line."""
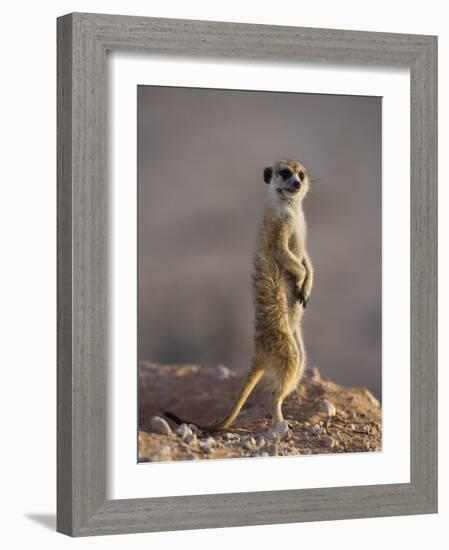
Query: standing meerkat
{"points": [[282, 283]]}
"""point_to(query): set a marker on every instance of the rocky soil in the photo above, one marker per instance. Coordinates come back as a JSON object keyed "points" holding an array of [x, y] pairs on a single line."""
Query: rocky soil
{"points": [[321, 416]]}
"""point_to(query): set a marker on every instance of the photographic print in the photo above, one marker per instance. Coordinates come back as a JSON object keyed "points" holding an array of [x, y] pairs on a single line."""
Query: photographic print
{"points": [[261, 336], [259, 274]]}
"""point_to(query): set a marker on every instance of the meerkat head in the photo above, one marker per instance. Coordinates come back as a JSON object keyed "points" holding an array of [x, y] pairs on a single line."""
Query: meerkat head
{"points": [[288, 180]]}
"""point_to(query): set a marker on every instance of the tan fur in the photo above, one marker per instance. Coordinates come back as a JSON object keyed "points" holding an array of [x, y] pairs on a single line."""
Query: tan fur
{"points": [[282, 282]]}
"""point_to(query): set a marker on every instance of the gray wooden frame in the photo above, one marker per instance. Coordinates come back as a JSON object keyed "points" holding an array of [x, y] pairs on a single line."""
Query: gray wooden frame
{"points": [[83, 40]]}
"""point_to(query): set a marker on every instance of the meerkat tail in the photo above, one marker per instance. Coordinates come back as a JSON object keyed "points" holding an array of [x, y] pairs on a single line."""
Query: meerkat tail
{"points": [[175, 418], [250, 383]]}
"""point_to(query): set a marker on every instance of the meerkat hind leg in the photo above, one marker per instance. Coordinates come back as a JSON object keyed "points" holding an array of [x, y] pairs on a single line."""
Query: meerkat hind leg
{"points": [[284, 383], [277, 409], [289, 379], [278, 397]]}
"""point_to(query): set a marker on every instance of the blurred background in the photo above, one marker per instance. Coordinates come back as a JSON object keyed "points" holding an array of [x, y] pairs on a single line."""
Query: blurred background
{"points": [[201, 155]]}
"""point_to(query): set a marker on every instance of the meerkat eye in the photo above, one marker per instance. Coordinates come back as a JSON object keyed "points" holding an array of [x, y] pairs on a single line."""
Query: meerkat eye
{"points": [[301, 175], [285, 173]]}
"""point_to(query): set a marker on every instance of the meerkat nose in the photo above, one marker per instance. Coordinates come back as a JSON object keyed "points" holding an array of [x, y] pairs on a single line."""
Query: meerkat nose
{"points": [[297, 185]]}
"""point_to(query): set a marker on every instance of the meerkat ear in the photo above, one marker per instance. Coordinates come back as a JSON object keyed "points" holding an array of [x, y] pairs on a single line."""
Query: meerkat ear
{"points": [[267, 173]]}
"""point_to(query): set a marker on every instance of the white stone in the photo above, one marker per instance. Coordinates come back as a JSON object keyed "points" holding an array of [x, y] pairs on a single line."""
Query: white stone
{"points": [[184, 431], [278, 432], [249, 442], [315, 429], [205, 447], [160, 426], [327, 408]]}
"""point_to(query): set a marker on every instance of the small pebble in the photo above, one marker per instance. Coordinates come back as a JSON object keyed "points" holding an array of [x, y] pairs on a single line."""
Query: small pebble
{"points": [[260, 441], [329, 441], [278, 432], [362, 429], [264, 454], [184, 431], [315, 429], [211, 441], [222, 372], [160, 426], [327, 408], [272, 436], [205, 447], [232, 437], [249, 442]]}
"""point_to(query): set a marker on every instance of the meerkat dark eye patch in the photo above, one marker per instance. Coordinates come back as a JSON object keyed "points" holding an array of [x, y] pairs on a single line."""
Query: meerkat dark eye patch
{"points": [[267, 173], [285, 173], [301, 175]]}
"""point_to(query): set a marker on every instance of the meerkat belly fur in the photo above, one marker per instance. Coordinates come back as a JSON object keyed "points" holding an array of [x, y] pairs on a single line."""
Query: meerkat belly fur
{"points": [[282, 283]]}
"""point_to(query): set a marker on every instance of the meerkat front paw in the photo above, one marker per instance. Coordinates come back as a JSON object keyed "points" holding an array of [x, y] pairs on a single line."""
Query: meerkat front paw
{"points": [[303, 298], [303, 295]]}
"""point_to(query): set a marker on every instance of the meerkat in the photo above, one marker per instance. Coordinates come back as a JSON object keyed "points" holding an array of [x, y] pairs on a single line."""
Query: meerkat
{"points": [[282, 283]]}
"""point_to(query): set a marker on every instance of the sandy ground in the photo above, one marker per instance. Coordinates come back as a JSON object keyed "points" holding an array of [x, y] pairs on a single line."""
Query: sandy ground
{"points": [[322, 416]]}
